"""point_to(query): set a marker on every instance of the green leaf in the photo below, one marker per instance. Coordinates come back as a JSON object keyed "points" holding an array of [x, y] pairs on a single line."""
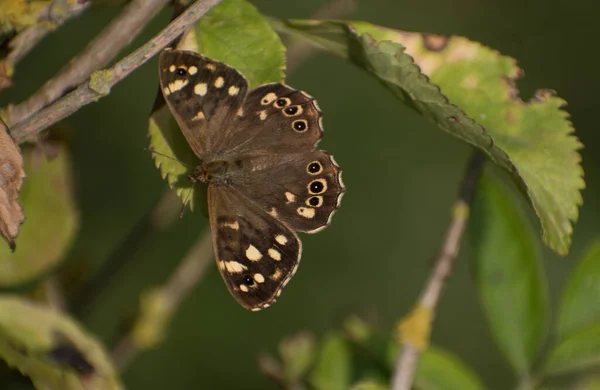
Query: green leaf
{"points": [[531, 140], [51, 219], [440, 370], [579, 350], [297, 354], [233, 32], [579, 306], [332, 370], [29, 334], [508, 272]]}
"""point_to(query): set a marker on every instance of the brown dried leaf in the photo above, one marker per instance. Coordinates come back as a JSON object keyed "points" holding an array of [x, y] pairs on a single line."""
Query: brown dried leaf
{"points": [[11, 179]]}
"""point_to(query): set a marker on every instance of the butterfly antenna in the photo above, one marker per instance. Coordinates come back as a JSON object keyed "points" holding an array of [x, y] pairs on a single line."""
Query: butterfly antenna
{"points": [[151, 150]]}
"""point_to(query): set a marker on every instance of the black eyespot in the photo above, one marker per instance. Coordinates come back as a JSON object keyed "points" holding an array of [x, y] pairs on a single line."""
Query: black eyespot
{"points": [[181, 71], [299, 125], [314, 167], [314, 201], [316, 187], [248, 281], [281, 102], [291, 110]]}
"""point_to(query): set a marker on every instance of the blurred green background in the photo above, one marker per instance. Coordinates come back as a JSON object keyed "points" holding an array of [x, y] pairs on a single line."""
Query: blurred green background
{"points": [[401, 174]]}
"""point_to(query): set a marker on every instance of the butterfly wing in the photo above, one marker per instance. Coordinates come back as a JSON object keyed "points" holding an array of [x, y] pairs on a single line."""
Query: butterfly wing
{"points": [[203, 95], [256, 253], [303, 190], [274, 119]]}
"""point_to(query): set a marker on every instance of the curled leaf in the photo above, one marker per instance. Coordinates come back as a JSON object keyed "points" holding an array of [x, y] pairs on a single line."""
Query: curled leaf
{"points": [[11, 179], [52, 349], [51, 223]]}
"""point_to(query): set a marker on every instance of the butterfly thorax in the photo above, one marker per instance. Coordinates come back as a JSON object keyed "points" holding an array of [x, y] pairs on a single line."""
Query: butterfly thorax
{"points": [[216, 172]]}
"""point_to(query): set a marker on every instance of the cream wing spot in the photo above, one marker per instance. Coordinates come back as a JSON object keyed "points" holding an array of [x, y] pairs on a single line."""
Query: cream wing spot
{"points": [[192, 70], [235, 267], [273, 212], [306, 212], [234, 225], [177, 85], [262, 115], [244, 288], [166, 91], [219, 82], [200, 89], [172, 68], [268, 98], [199, 116], [274, 254], [253, 254], [210, 67], [259, 278], [281, 239], [276, 275], [290, 197], [233, 90]]}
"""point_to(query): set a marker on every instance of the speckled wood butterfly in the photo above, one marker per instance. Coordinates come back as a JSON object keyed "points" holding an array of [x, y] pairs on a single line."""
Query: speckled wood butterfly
{"points": [[265, 178]]}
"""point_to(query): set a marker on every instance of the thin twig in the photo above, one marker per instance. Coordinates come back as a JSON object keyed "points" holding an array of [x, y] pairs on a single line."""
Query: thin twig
{"points": [[160, 304], [414, 330], [298, 50], [99, 52], [50, 18], [101, 81]]}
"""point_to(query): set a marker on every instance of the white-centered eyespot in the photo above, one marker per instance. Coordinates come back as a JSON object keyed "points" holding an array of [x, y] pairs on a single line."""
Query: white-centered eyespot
{"points": [[317, 186], [315, 201], [314, 168], [282, 102], [300, 125], [292, 111]]}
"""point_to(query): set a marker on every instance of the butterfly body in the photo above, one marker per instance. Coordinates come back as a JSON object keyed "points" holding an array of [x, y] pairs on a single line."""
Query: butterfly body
{"points": [[256, 151]]}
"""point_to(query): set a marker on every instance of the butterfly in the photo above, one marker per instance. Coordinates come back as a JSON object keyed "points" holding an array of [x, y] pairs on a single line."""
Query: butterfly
{"points": [[257, 153]]}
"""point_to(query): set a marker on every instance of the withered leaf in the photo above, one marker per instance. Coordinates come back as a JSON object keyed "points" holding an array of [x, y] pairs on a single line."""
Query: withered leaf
{"points": [[11, 179]]}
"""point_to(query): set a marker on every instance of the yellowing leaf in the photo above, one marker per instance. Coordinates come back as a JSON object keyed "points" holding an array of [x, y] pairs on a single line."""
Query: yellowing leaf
{"points": [[478, 103]]}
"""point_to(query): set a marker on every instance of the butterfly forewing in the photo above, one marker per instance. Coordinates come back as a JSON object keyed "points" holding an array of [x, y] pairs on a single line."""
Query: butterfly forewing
{"points": [[274, 119], [203, 95], [256, 253]]}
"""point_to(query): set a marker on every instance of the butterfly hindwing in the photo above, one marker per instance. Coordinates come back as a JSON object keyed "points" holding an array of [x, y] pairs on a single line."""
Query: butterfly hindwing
{"points": [[256, 253], [203, 95], [303, 190]]}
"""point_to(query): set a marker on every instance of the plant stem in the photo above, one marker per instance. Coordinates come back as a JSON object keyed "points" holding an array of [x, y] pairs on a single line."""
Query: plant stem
{"points": [[101, 81], [159, 305], [414, 330], [118, 34], [50, 17]]}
